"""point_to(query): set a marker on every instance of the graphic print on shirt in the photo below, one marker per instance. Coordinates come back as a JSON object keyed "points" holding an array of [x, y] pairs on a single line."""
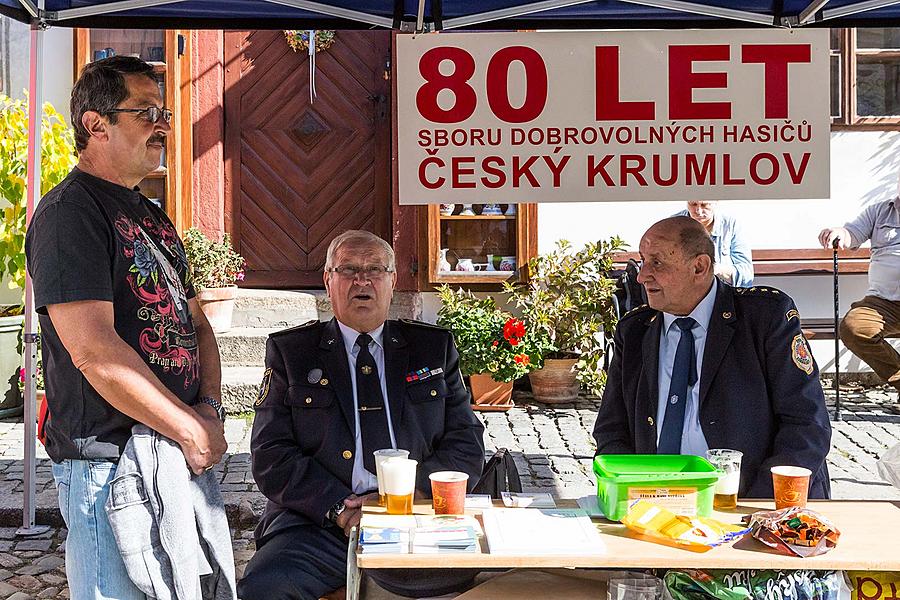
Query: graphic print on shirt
{"points": [[168, 339]]}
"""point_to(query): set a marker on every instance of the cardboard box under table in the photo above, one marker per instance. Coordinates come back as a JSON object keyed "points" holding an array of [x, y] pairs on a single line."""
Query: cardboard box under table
{"points": [[869, 542]]}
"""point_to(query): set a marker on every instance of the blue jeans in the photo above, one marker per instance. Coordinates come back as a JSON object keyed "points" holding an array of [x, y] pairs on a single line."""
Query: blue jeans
{"points": [[94, 566]]}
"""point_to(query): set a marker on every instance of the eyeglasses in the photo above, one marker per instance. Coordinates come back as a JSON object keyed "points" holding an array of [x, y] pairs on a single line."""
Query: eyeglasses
{"points": [[354, 271], [152, 113]]}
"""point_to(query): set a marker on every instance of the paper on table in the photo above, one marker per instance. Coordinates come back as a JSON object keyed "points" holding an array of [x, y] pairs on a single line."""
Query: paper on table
{"points": [[541, 532], [523, 500], [478, 501]]}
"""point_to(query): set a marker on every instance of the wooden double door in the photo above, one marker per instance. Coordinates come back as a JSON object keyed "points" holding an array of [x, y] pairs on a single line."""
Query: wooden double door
{"points": [[299, 172]]}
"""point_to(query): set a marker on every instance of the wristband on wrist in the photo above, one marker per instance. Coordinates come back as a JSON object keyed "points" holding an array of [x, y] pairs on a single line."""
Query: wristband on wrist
{"points": [[217, 405]]}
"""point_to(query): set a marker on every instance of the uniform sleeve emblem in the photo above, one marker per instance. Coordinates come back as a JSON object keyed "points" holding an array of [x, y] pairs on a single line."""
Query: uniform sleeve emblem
{"points": [[264, 387], [791, 314], [801, 355]]}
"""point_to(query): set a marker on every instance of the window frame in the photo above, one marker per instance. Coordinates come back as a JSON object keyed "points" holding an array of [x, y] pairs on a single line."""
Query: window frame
{"points": [[849, 119]]}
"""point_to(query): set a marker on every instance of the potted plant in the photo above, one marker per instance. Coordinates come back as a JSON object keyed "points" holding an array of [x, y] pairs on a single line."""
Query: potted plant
{"points": [[494, 347], [569, 297], [215, 269]]}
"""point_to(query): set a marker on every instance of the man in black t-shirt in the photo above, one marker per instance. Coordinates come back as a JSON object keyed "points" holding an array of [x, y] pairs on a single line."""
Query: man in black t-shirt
{"points": [[124, 340]]}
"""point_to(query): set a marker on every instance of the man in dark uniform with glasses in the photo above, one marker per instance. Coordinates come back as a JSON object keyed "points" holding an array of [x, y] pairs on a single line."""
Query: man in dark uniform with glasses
{"points": [[332, 394], [124, 340]]}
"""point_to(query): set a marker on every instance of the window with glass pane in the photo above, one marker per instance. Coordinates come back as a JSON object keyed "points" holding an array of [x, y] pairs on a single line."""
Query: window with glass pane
{"points": [[877, 86], [147, 44], [879, 38]]}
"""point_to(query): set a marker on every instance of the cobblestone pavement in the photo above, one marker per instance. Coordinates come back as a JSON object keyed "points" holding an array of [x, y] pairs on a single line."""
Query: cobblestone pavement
{"points": [[552, 447]]}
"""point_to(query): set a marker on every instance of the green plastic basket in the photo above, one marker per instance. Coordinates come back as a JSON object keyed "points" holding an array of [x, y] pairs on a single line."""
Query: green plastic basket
{"points": [[684, 484]]}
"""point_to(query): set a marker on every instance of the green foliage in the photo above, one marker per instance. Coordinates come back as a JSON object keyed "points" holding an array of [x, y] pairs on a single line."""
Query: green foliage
{"points": [[569, 298], [213, 264], [57, 159], [490, 340]]}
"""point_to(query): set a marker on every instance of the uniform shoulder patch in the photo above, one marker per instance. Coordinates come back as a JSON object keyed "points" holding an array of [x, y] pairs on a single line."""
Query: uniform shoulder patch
{"points": [[760, 290], [634, 311], [423, 324], [264, 388], [792, 314], [801, 354], [307, 325]]}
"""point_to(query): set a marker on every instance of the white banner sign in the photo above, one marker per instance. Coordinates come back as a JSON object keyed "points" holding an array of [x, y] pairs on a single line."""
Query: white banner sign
{"points": [[609, 116]]}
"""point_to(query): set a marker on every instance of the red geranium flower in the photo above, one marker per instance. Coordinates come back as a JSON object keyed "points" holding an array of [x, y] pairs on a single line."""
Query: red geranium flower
{"points": [[513, 330]]}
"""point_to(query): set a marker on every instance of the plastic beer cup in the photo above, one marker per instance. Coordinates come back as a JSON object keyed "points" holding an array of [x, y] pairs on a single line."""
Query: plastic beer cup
{"points": [[728, 464], [380, 457], [399, 485]]}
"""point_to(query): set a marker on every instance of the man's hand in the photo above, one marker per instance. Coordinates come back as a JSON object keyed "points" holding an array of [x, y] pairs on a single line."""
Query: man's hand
{"points": [[828, 235], [351, 516], [204, 447]]}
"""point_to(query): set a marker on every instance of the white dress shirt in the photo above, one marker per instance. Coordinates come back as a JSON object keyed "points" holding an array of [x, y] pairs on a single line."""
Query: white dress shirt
{"points": [[692, 439], [363, 480]]}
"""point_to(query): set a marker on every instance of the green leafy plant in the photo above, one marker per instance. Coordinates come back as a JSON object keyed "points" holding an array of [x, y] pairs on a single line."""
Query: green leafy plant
{"points": [[489, 339], [57, 159], [569, 297], [213, 264]]}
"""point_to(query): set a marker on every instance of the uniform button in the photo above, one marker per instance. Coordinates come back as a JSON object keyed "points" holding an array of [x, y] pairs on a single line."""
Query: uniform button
{"points": [[323, 381], [434, 392], [650, 421], [347, 454], [308, 400]]}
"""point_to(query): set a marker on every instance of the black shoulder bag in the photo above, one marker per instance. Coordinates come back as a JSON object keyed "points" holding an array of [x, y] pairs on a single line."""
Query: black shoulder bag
{"points": [[499, 475]]}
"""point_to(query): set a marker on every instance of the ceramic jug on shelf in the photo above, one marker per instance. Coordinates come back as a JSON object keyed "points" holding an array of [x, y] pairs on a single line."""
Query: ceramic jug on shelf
{"points": [[465, 264], [443, 263]]}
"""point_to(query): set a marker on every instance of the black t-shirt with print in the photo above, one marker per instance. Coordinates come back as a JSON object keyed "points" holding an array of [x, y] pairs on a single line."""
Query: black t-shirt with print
{"points": [[91, 239]]}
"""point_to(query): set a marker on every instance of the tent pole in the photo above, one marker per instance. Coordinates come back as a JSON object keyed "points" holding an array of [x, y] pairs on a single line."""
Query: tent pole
{"points": [[33, 190]]}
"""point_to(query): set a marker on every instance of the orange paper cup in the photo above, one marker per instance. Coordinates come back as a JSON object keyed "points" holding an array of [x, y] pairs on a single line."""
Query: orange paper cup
{"points": [[791, 486], [448, 492]]}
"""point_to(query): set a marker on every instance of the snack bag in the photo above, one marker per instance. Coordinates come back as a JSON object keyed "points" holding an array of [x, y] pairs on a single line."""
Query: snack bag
{"points": [[796, 531], [874, 585], [694, 533], [695, 584]]}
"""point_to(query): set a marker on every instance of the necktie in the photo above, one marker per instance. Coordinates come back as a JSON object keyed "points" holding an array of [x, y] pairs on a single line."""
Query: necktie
{"points": [[684, 375], [372, 416]]}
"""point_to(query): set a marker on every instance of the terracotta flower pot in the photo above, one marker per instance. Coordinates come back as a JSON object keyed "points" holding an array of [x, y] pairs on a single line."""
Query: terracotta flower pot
{"points": [[555, 383], [218, 306], [490, 395]]}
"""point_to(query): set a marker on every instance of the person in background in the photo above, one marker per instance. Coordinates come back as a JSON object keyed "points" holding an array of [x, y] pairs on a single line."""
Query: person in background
{"points": [[734, 262], [877, 314]]}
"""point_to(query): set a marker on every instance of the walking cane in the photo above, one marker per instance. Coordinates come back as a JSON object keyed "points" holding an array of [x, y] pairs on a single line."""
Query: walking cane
{"points": [[837, 339]]}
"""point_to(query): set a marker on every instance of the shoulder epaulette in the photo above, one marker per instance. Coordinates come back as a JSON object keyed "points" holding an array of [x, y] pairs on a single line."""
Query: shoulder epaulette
{"points": [[307, 325], [634, 311], [423, 324], [761, 291]]}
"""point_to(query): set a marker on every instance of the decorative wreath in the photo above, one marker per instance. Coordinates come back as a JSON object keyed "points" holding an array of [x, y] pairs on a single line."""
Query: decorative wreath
{"points": [[299, 39]]}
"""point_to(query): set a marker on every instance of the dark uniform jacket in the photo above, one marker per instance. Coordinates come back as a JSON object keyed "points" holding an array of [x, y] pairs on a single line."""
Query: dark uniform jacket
{"points": [[759, 389], [303, 440]]}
